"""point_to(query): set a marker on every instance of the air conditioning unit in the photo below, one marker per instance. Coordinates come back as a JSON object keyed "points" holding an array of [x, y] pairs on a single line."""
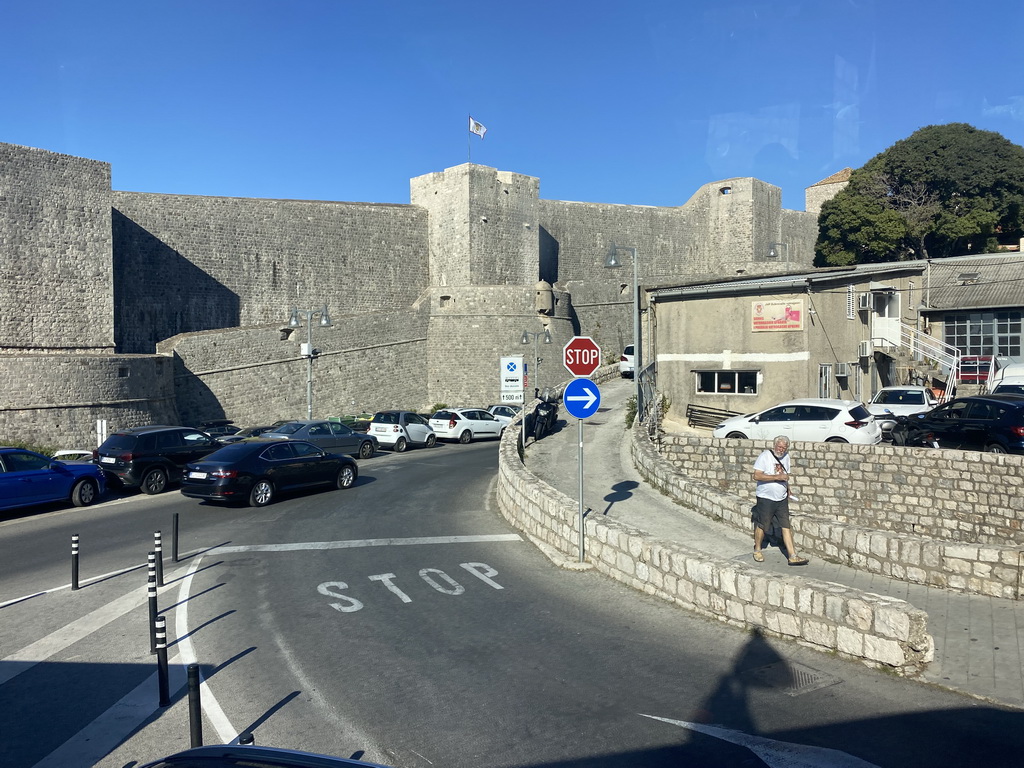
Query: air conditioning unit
{"points": [[842, 370], [864, 350], [866, 301]]}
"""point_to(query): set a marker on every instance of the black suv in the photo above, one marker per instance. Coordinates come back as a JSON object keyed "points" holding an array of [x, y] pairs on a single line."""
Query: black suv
{"points": [[151, 457], [992, 423]]}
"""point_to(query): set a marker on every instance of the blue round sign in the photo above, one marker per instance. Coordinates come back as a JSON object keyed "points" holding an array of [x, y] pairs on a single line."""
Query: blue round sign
{"points": [[581, 398]]}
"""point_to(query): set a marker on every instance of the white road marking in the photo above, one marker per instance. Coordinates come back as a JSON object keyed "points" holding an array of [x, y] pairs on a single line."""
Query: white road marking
{"points": [[776, 754], [357, 543], [81, 583]]}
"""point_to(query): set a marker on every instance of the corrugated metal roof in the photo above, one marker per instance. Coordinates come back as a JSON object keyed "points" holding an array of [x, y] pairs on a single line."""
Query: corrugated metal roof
{"points": [[986, 281]]}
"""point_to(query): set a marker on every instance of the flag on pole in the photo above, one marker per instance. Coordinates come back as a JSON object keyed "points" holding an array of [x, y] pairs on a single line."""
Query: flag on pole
{"points": [[476, 127]]}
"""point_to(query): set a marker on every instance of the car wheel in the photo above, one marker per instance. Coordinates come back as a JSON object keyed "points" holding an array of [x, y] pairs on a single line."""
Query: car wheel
{"points": [[261, 494], [400, 445], [431, 441], [466, 437], [346, 477], [736, 436], [154, 481], [995, 448], [836, 440], [84, 493], [366, 450]]}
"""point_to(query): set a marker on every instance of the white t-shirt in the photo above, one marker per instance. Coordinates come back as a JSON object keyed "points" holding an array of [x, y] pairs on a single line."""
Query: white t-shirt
{"points": [[766, 462]]}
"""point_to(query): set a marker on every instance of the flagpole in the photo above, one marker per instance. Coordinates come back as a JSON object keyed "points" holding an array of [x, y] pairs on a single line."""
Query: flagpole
{"points": [[469, 141]]}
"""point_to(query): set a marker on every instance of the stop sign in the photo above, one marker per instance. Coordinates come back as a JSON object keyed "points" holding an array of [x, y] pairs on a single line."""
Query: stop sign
{"points": [[581, 356]]}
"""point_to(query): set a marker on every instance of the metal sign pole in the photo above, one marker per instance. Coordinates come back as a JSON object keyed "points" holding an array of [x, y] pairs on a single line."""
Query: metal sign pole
{"points": [[579, 434]]}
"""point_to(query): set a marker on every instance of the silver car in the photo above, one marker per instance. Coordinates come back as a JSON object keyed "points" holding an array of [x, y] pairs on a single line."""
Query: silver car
{"points": [[332, 436]]}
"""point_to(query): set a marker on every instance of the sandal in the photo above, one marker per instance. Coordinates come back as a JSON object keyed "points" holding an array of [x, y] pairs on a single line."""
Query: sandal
{"points": [[759, 557], [798, 561]]}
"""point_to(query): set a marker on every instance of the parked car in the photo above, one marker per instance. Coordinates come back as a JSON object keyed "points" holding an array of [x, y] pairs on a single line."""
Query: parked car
{"points": [[218, 427], [400, 429], [993, 423], [332, 436], [627, 362], [151, 457], [899, 401], [73, 454], [236, 755], [504, 413], [465, 424], [244, 434], [813, 419], [28, 478], [1013, 386], [255, 471]]}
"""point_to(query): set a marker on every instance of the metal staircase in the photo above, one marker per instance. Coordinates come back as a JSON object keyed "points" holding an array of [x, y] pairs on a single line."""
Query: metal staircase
{"points": [[923, 357]]}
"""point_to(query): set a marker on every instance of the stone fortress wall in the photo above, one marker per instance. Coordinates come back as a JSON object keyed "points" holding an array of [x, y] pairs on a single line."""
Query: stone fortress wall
{"points": [[425, 297]]}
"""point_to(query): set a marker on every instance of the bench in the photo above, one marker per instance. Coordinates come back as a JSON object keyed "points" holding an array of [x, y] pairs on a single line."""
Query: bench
{"points": [[708, 418]]}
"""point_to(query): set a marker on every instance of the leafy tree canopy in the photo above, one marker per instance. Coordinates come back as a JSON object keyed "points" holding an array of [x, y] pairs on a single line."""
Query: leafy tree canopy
{"points": [[947, 190]]}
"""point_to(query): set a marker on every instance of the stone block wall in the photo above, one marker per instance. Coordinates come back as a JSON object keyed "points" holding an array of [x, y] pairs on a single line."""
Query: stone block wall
{"points": [[186, 263], [55, 253], [56, 400], [879, 630], [252, 376], [944, 518]]}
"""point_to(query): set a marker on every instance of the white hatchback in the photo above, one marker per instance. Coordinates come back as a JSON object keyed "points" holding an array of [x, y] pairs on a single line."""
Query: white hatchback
{"points": [[627, 362], [465, 424], [399, 430], [811, 419]]}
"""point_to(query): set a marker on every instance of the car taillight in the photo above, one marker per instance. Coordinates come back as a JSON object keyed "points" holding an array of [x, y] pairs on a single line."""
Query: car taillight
{"points": [[396, 428], [223, 474], [622, 359], [857, 424], [451, 423], [1018, 431], [126, 457]]}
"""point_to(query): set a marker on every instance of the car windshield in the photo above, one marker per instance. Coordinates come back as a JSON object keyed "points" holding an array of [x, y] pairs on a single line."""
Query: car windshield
{"points": [[230, 452], [288, 429], [386, 417], [860, 413], [900, 397], [119, 443]]}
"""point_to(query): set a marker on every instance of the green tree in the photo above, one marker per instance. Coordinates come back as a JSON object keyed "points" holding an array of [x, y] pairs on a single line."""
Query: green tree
{"points": [[946, 190]]}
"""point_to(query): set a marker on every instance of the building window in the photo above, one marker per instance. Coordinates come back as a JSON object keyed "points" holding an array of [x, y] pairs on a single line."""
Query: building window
{"points": [[825, 380], [726, 382], [851, 303], [984, 333], [726, 190], [122, 373], [446, 301]]}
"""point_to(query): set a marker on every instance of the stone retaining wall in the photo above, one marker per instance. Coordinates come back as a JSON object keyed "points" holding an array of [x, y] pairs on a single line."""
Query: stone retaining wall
{"points": [[953, 517], [824, 616]]}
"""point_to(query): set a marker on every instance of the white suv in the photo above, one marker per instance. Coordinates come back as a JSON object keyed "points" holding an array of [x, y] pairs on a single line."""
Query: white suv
{"points": [[812, 419], [899, 401], [627, 362]]}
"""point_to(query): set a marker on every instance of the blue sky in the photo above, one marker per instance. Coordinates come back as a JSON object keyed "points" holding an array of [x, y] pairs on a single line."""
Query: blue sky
{"points": [[637, 102]]}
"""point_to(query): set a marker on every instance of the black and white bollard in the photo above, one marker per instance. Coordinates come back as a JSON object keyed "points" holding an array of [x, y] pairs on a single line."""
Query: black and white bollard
{"points": [[74, 561], [161, 661], [158, 550], [151, 594], [174, 538], [195, 709]]}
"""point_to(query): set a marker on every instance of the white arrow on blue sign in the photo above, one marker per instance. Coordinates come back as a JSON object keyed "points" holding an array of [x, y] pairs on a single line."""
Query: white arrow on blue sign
{"points": [[581, 398]]}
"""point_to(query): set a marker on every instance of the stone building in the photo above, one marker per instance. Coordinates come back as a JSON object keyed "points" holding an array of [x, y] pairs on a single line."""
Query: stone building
{"points": [[139, 307]]}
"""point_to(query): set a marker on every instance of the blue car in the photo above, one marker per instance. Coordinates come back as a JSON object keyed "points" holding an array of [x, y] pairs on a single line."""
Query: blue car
{"points": [[28, 478]]}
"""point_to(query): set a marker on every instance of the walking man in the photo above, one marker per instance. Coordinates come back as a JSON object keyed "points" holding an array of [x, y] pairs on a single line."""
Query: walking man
{"points": [[771, 471]]}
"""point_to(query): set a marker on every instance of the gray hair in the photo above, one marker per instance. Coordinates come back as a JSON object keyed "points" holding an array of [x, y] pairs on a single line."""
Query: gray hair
{"points": [[781, 439]]}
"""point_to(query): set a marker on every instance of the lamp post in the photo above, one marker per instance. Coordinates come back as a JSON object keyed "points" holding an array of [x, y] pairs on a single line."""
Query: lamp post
{"points": [[611, 261], [306, 349], [525, 339]]}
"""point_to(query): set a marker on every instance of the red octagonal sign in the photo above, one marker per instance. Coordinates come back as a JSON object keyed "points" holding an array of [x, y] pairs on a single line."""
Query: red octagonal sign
{"points": [[581, 356]]}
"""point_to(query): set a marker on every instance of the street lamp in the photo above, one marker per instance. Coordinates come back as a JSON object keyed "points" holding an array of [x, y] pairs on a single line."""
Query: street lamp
{"points": [[612, 262], [527, 335], [306, 350]]}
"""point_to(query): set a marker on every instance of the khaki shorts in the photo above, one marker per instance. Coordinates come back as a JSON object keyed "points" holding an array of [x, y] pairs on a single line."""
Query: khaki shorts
{"points": [[766, 509]]}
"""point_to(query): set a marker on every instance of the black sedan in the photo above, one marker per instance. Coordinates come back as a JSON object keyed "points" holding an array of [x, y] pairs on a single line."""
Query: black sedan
{"points": [[255, 471]]}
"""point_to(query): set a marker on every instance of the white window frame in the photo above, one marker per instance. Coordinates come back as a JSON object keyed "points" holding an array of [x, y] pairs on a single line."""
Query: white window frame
{"points": [[751, 379]]}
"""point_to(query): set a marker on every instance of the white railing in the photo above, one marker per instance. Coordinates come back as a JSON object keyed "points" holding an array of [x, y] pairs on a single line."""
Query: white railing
{"points": [[925, 348]]}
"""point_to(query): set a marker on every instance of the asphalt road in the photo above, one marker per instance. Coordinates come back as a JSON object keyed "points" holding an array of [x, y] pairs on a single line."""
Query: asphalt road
{"points": [[405, 622]]}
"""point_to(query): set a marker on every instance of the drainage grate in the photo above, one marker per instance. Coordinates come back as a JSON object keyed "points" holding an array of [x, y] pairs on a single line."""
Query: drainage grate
{"points": [[791, 679]]}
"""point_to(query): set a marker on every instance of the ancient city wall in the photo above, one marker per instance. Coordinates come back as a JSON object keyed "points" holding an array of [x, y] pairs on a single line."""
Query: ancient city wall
{"points": [[55, 253], [186, 263], [57, 399]]}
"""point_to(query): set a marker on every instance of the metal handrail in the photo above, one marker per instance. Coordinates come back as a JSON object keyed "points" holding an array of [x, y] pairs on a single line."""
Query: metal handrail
{"points": [[925, 347]]}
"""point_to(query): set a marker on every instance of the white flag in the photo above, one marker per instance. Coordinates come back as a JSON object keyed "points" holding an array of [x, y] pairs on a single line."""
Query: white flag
{"points": [[477, 128]]}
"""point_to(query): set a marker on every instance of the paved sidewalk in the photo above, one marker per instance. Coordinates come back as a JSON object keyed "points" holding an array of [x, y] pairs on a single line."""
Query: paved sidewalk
{"points": [[977, 639]]}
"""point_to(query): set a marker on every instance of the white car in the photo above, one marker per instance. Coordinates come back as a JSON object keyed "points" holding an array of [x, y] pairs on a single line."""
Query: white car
{"points": [[505, 413], [811, 419], [465, 424], [398, 430], [627, 362], [900, 401]]}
